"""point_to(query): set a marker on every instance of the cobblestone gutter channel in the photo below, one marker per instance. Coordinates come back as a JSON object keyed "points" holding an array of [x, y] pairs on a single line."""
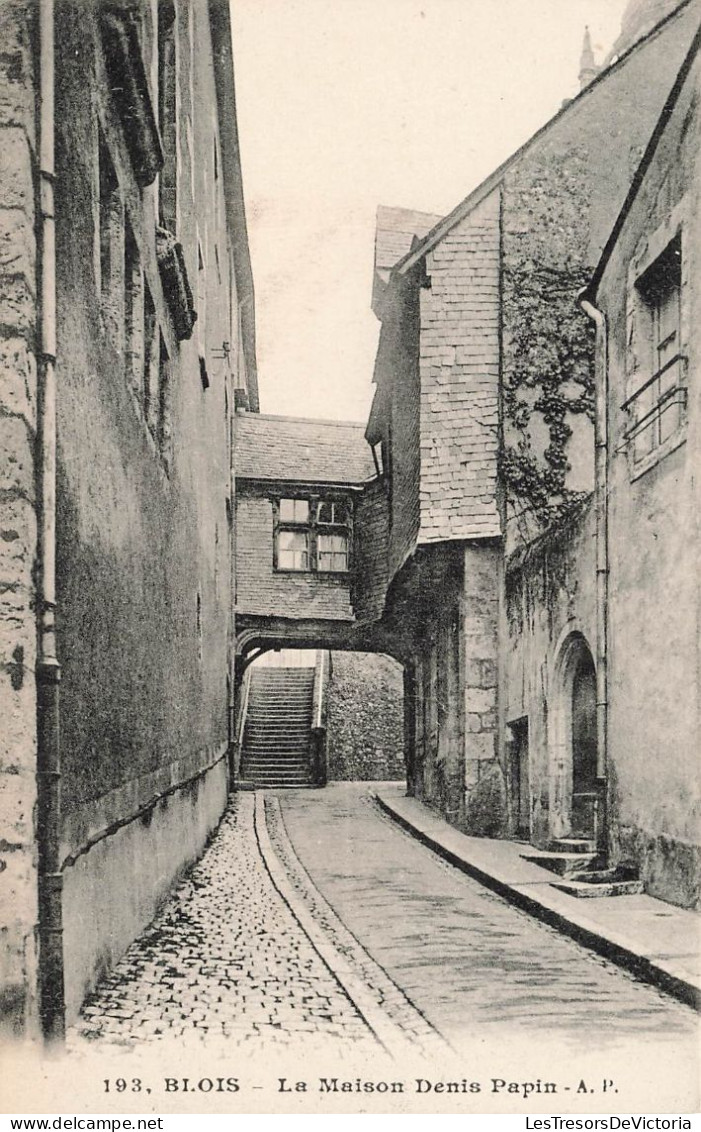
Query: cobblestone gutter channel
{"points": [[399, 1026]]}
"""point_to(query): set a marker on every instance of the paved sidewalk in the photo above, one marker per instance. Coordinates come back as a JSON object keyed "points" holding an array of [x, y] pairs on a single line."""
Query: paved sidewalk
{"points": [[654, 940]]}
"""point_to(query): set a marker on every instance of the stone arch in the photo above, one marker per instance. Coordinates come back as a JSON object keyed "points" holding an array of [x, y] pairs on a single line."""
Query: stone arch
{"points": [[574, 794]]}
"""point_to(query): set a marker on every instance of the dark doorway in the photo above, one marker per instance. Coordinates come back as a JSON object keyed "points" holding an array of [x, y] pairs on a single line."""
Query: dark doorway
{"points": [[584, 748], [521, 778]]}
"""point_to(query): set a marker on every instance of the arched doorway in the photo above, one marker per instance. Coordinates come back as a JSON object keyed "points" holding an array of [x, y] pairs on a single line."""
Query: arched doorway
{"points": [[575, 793], [584, 747]]}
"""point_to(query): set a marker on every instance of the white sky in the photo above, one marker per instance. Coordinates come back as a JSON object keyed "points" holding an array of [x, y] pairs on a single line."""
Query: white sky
{"points": [[347, 104]]}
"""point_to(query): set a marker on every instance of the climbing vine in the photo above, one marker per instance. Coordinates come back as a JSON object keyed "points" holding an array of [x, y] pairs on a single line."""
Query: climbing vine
{"points": [[548, 341]]}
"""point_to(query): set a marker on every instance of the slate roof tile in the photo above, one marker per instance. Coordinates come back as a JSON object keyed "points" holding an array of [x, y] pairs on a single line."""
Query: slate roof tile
{"points": [[298, 449]]}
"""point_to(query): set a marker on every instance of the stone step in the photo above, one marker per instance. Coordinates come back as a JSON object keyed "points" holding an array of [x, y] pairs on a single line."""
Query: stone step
{"points": [[281, 690], [571, 845], [276, 743], [267, 742], [283, 703], [279, 707], [605, 875], [249, 784], [611, 888], [253, 775], [565, 864], [257, 729], [275, 724], [285, 683], [277, 763], [276, 759]]}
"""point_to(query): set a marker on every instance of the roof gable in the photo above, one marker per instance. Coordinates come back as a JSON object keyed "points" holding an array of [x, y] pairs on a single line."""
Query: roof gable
{"points": [[487, 186]]}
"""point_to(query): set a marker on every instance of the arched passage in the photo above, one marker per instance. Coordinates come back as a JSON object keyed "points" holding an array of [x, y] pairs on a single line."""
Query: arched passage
{"points": [[310, 715], [575, 794]]}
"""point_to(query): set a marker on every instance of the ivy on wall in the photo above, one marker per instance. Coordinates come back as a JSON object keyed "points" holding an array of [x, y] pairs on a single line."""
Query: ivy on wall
{"points": [[548, 341]]}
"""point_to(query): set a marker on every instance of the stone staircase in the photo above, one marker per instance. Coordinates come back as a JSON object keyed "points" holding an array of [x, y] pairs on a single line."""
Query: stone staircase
{"points": [[276, 739], [584, 872]]}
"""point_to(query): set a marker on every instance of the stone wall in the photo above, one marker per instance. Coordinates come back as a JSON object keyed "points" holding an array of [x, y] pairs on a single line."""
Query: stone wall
{"points": [[561, 198], [550, 602], [18, 521], [479, 685], [365, 722], [144, 516]]}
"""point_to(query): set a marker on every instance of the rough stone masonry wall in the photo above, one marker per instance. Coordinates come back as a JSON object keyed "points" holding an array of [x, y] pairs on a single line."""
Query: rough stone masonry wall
{"points": [[365, 721], [484, 785], [550, 597], [18, 525]]}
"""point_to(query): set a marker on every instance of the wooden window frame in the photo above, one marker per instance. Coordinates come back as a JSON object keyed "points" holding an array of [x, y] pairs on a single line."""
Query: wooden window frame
{"points": [[313, 527], [658, 384]]}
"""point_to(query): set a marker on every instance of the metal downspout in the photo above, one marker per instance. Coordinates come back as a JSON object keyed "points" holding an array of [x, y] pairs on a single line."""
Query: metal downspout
{"points": [[602, 558], [48, 672]]}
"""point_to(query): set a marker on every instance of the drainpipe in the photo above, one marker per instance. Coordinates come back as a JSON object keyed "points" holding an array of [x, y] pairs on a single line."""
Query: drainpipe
{"points": [[602, 555], [48, 672]]}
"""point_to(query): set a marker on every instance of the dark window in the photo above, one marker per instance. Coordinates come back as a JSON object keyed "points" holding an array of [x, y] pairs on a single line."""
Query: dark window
{"points": [[110, 235], [167, 114], [133, 313], [657, 406], [148, 370]]}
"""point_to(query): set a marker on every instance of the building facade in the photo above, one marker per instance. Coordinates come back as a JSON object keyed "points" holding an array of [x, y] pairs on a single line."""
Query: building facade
{"points": [[646, 290], [484, 423], [127, 338]]}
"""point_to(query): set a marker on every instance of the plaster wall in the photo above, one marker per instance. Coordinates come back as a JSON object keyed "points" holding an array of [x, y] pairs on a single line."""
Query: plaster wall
{"points": [[144, 554], [102, 913], [655, 601], [18, 521]]}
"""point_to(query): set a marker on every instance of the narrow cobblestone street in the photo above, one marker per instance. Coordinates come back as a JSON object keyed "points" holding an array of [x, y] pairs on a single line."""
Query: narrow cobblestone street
{"points": [[225, 958], [311, 917]]}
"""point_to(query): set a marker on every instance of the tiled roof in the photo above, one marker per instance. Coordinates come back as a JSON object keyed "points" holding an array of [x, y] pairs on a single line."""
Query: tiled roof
{"points": [[297, 449], [395, 232]]}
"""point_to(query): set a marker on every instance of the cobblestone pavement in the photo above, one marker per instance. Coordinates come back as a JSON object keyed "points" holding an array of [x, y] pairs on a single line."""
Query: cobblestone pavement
{"points": [[296, 886], [471, 962], [225, 959]]}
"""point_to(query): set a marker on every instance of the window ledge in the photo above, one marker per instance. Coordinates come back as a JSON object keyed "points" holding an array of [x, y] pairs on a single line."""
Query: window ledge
{"points": [[640, 467], [130, 88], [344, 575], [176, 285]]}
